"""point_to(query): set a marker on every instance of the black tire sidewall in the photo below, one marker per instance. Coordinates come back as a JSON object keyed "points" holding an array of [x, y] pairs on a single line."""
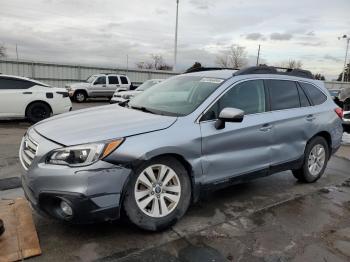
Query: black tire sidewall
{"points": [[143, 221], [305, 169], [30, 108]]}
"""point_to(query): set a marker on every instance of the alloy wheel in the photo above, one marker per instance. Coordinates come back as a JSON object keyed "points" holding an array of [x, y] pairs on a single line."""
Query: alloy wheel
{"points": [[80, 97], [317, 159], [157, 191]]}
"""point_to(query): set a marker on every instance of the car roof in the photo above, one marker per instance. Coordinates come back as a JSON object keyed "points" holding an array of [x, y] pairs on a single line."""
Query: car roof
{"points": [[223, 74], [24, 78]]}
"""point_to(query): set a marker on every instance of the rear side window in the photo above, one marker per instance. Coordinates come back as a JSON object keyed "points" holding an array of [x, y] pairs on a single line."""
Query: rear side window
{"points": [[10, 83], [113, 80], [283, 94], [317, 96], [100, 81], [124, 80]]}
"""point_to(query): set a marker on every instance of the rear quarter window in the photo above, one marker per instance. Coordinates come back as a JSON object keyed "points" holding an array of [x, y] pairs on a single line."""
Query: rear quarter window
{"points": [[317, 96], [124, 80]]}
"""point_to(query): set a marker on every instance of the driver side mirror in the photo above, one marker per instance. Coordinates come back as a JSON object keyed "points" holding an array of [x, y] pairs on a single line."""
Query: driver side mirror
{"points": [[228, 114]]}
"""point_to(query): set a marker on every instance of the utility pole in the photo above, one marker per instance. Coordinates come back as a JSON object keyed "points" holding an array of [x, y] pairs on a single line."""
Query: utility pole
{"points": [[258, 57], [176, 29], [17, 60], [127, 63], [346, 56]]}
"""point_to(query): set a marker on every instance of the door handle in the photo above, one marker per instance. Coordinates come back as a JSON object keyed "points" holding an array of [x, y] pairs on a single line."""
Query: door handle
{"points": [[27, 93], [103, 85], [310, 118], [265, 127]]}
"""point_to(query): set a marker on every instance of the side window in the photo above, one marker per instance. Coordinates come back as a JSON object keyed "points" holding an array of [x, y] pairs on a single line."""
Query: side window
{"points": [[248, 96], [316, 96], [304, 101], [9, 83], [100, 81], [124, 80], [113, 80], [283, 94]]}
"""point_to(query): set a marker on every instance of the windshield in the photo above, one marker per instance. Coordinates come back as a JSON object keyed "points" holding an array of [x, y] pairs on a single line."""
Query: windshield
{"points": [[91, 79], [177, 96], [146, 85]]}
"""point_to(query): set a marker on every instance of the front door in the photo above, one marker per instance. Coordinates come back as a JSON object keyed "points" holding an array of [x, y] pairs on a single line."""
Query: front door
{"points": [[99, 87], [239, 148]]}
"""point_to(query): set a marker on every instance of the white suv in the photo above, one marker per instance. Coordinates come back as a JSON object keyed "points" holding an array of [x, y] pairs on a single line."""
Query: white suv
{"points": [[22, 97], [100, 85]]}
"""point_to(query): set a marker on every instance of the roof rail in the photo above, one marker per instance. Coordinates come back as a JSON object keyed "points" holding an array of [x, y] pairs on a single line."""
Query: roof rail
{"points": [[274, 70], [200, 69], [112, 74]]}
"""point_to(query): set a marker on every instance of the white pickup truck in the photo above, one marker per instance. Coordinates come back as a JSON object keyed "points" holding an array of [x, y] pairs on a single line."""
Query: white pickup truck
{"points": [[99, 85]]}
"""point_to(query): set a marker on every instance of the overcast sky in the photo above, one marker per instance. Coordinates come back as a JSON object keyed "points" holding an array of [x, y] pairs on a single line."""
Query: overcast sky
{"points": [[103, 32]]}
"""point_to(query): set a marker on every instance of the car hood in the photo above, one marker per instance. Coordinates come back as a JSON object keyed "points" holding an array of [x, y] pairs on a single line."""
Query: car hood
{"points": [[100, 123], [128, 93], [77, 85]]}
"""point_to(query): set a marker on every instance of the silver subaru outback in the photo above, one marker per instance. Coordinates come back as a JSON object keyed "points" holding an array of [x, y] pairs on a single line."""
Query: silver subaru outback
{"points": [[154, 155]]}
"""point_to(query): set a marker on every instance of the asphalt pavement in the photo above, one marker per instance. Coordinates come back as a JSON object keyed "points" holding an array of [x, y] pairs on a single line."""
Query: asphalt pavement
{"points": [[274, 218]]}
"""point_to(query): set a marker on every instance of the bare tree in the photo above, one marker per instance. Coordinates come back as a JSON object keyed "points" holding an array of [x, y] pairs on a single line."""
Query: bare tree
{"points": [[234, 57], [2, 51], [292, 63], [157, 62]]}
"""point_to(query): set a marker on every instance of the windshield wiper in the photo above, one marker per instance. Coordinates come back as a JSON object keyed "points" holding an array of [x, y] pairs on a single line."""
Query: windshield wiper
{"points": [[143, 109]]}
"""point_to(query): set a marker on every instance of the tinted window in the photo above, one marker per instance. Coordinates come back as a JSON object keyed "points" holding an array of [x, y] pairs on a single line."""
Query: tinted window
{"points": [[283, 94], [124, 80], [113, 80], [317, 97], [248, 96], [304, 101], [9, 83], [100, 81]]}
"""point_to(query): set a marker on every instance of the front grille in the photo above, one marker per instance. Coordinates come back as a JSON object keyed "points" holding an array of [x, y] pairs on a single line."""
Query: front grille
{"points": [[28, 151]]}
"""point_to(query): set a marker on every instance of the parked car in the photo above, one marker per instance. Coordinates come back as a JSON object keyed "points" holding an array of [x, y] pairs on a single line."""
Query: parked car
{"points": [[21, 97], [153, 156], [346, 118], [119, 97], [100, 85]]}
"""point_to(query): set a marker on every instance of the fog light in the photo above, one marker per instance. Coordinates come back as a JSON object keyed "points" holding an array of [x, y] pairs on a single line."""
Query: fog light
{"points": [[66, 209]]}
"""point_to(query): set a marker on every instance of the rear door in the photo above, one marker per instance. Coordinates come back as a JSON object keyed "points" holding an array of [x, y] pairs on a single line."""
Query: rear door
{"points": [[239, 148], [99, 87], [292, 120], [113, 84], [15, 94], [124, 83]]}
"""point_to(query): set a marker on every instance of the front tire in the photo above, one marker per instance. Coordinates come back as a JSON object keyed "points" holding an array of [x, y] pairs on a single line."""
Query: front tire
{"points": [[315, 161], [158, 194], [80, 96], [38, 111]]}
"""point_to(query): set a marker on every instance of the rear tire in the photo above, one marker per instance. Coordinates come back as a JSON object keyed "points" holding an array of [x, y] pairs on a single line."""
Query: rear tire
{"points": [[38, 111], [158, 206], [315, 161], [80, 96]]}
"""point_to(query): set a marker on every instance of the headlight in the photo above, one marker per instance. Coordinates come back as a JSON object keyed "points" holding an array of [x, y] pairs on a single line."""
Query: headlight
{"points": [[83, 154]]}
